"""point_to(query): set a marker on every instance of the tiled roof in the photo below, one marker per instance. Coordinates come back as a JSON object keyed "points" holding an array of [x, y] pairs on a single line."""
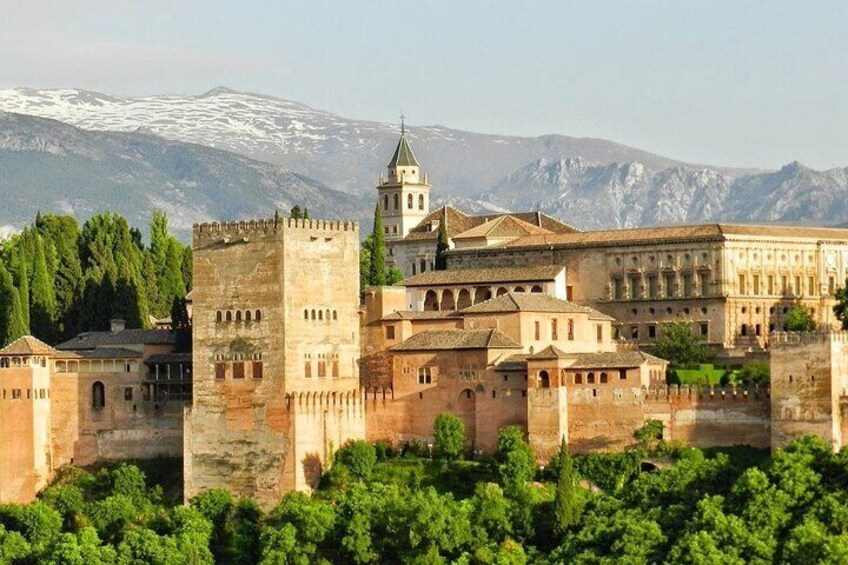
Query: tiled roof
{"points": [[700, 232], [27, 345], [425, 315], [169, 358], [99, 353], [614, 360], [516, 362], [403, 157], [550, 352], [486, 275], [532, 302], [459, 222], [90, 340], [437, 340], [542, 220], [502, 226]]}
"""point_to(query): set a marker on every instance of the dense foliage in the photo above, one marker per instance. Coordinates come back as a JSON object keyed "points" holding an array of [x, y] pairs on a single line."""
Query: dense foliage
{"points": [[58, 278], [799, 319], [375, 506], [372, 257], [679, 345]]}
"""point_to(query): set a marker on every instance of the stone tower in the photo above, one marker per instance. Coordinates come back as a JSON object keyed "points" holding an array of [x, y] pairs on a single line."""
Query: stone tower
{"points": [[275, 349], [404, 195]]}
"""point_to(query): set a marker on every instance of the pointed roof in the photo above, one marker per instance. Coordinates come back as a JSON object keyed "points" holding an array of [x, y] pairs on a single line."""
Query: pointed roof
{"points": [[506, 225], [439, 340], [403, 157], [549, 353], [531, 302], [27, 345]]}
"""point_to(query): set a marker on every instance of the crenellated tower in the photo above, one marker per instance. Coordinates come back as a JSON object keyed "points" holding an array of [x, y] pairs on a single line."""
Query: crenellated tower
{"points": [[405, 194]]}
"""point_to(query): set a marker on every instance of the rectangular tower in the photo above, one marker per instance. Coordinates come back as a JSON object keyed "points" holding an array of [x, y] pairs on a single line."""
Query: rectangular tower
{"points": [[275, 349]]}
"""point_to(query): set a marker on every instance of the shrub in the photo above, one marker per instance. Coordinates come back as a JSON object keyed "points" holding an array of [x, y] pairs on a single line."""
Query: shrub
{"points": [[448, 436], [359, 457]]}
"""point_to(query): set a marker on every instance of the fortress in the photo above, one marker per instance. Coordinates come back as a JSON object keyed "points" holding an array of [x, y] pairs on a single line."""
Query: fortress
{"points": [[534, 323]]}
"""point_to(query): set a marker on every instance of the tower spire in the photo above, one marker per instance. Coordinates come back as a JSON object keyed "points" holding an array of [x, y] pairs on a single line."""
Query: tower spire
{"points": [[402, 123]]}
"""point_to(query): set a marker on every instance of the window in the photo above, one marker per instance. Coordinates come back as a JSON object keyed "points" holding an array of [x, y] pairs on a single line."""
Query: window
{"points": [[16, 393], [784, 284], [257, 369], [831, 285], [622, 374], [704, 278], [424, 376], [386, 203], [603, 378], [758, 329], [744, 330], [396, 201], [554, 329], [320, 314], [687, 285], [669, 286], [578, 379], [756, 281], [538, 328], [128, 393], [742, 287], [600, 331], [98, 396], [322, 368], [257, 315], [421, 201], [313, 314], [617, 291], [220, 371], [306, 314], [770, 284], [335, 315], [798, 289], [409, 202], [335, 368], [652, 287], [238, 315], [248, 316], [635, 286], [544, 379], [590, 378], [811, 286], [229, 316], [390, 332], [570, 330], [705, 329], [307, 368], [652, 332], [238, 370], [634, 332], [218, 316]]}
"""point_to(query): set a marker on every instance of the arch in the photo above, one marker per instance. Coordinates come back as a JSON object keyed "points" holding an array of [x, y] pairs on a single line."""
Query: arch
{"points": [[238, 316], [578, 378], [396, 201], [464, 299], [431, 300], [327, 315], [482, 294], [219, 317], [98, 395], [385, 202], [536, 288], [229, 316], [320, 314], [447, 300], [257, 315], [603, 378], [335, 315], [248, 316], [409, 201], [305, 314], [590, 378], [421, 201], [518, 289], [501, 291], [423, 265], [314, 315], [544, 379]]}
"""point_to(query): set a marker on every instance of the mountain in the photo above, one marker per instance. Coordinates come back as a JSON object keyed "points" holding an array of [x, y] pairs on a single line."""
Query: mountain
{"points": [[344, 153], [50, 166], [592, 195]]}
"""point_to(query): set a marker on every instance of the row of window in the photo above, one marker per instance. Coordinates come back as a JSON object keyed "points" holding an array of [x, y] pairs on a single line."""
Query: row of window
{"points": [[18, 394], [660, 287], [320, 314], [239, 316], [321, 365], [633, 331], [469, 394], [410, 200], [554, 326], [784, 289], [237, 370]]}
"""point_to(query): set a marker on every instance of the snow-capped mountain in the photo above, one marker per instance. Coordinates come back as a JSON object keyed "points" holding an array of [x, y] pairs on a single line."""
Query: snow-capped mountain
{"points": [[591, 195], [49, 166], [344, 153]]}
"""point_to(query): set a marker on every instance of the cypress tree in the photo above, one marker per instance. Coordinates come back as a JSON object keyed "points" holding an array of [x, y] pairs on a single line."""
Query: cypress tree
{"points": [[305, 213], [186, 267], [172, 286], [442, 243], [159, 239], [22, 282], [43, 296], [565, 500], [61, 242], [11, 314], [378, 251]]}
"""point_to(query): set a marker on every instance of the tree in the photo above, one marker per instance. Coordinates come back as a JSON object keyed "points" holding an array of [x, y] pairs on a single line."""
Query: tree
{"points": [[296, 214], [305, 213], [186, 268], [679, 346], [378, 251], [799, 319], [11, 314], [442, 244], [365, 263], [565, 500], [358, 456], [448, 436], [841, 306], [43, 301], [650, 432], [516, 460]]}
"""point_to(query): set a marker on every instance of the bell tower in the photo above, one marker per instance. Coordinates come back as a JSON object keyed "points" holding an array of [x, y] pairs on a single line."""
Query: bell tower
{"points": [[405, 194]]}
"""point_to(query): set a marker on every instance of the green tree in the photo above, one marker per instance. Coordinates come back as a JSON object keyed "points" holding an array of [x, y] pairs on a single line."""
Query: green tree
{"points": [[305, 213], [358, 456], [172, 286], [448, 436], [186, 268], [312, 521], [296, 214], [650, 433], [679, 346], [365, 263], [21, 281], [565, 501], [43, 301], [377, 264], [799, 319], [442, 244], [11, 314], [516, 460]]}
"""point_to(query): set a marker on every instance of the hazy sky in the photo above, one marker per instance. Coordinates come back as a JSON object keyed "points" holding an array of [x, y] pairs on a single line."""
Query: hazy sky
{"points": [[726, 83]]}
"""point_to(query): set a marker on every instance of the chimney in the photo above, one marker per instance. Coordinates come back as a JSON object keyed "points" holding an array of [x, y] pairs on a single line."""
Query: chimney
{"points": [[118, 325]]}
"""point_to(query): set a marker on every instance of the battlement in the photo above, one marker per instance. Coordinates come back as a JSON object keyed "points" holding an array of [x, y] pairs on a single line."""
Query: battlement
{"points": [[788, 339], [710, 393], [261, 228], [321, 400]]}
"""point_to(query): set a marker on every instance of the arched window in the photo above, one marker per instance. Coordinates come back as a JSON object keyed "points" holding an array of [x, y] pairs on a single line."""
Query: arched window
{"points": [[328, 315], [603, 378], [536, 288], [396, 201], [385, 202], [544, 379], [590, 378], [423, 265], [570, 330], [98, 395], [306, 314], [578, 379], [248, 315], [218, 316], [519, 289], [420, 201], [335, 315], [238, 315], [409, 202], [257, 315], [313, 314], [320, 314], [229, 316]]}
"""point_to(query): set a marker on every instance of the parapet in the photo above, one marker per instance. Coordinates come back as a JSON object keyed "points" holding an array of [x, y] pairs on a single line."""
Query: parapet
{"points": [[788, 339], [211, 231], [698, 392]]}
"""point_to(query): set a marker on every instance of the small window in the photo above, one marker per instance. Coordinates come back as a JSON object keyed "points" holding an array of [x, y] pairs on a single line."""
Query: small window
{"points": [[320, 314], [421, 200], [335, 315], [229, 316], [257, 315], [409, 201], [335, 368], [218, 316], [238, 370], [554, 336], [248, 316], [220, 371], [306, 314], [128, 393], [705, 329], [590, 378], [600, 332], [570, 330], [652, 332], [314, 315], [424, 376], [238, 315], [390, 332], [622, 374], [322, 368], [494, 394], [578, 379], [257, 369], [603, 378], [98, 395], [538, 332], [307, 369]]}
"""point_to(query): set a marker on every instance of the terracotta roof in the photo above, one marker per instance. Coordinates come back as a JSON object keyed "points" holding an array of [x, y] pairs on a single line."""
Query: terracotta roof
{"points": [[90, 340], [27, 345], [459, 222], [403, 157], [485, 275], [169, 358], [516, 362], [699, 232], [614, 360], [550, 352], [502, 226], [542, 220], [425, 315], [532, 302], [99, 353], [437, 340]]}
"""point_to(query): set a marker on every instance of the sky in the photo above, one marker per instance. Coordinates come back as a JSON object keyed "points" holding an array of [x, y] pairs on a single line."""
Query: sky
{"points": [[744, 83]]}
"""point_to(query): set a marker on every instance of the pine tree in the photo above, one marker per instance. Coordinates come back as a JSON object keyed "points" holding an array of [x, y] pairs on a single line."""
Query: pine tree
{"points": [[442, 244], [11, 314], [43, 297], [296, 214], [565, 500], [378, 251]]}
